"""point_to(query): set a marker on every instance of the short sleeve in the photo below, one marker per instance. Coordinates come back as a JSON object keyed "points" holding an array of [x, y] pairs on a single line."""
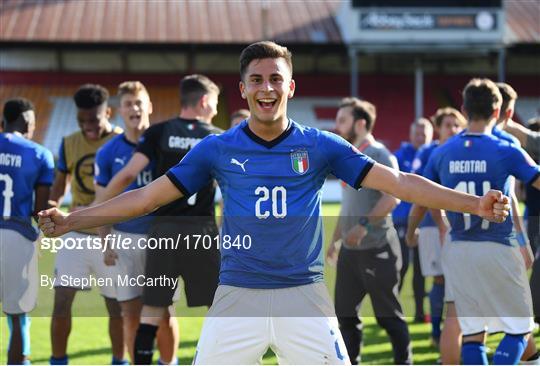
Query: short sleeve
{"points": [[62, 163], [102, 171], [149, 141], [431, 170], [46, 171], [194, 171], [344, 160], [521, 165]]}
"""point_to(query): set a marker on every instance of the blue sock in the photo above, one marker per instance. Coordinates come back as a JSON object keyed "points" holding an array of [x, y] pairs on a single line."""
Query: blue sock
{"points": [[436, 302], [116, 361], [510, 350], [59, 361], [473, 353]]}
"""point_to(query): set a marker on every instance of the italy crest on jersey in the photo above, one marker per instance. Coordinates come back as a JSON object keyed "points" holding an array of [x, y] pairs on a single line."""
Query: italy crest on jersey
{"points": [[300, 161]]}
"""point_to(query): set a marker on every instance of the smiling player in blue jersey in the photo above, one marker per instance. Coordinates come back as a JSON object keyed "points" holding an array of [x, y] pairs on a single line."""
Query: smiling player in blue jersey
{"points": [[26, 174], [271, 170], [135, 108], [483, 264]]}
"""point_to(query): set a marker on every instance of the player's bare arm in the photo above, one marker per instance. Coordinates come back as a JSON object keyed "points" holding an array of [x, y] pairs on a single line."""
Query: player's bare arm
{"points": [[416, 215], [109, 254], [59, 188], [519, 131], [128, 205], [381, 210], [525, 248], [493, 206], [332, 251], [439, 216], [536, 183], [41, 197], [124, 178]]}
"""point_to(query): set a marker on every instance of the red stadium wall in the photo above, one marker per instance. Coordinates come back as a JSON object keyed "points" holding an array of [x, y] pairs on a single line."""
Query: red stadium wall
{"points": [[392, 94]]}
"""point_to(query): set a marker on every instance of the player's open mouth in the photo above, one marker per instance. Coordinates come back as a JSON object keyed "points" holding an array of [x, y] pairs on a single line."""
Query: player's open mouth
{"points": [[136, 117], [266, 103], [91, 134]]}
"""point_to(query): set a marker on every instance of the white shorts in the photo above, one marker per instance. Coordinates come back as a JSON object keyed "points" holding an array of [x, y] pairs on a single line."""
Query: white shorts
{"points": [[81, 264], [18, 272], [429, 251], [490, 286], [130, 263], [243, 323]]}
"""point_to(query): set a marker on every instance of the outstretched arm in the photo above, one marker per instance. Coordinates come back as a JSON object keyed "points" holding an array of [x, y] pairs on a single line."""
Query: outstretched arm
{"points": [[522, 133], [128, 205], [493, 206]]}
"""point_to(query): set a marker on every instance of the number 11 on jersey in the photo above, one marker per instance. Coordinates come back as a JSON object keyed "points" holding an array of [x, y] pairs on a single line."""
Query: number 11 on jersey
{"points": [[470, 187]]}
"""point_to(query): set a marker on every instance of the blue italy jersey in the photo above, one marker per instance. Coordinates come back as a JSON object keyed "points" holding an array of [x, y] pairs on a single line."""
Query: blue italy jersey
{"points": [[503, 135], [476, 163], [405, 156], [24, 165], [272, 198], [110, 159], [419, 164]]}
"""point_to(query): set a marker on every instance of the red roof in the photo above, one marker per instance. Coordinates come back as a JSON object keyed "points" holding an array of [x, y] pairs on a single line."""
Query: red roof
{"points": [[522, 21], [201, 21], [188, 21]]}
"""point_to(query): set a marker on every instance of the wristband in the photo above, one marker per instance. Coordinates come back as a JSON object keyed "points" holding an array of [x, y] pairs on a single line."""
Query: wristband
{"points": [[522, 239], [364, 221]]}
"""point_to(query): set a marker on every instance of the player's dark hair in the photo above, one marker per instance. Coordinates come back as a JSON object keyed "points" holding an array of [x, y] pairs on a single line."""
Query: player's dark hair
{"points": [[480, 98], [13, 108], [441, 113], [508, 94], [194, 87], [90, 96], [361, 109], [262, 50]]}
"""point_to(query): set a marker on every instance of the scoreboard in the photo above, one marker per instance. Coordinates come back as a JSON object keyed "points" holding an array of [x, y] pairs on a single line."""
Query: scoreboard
{"points": [[398, 25]]}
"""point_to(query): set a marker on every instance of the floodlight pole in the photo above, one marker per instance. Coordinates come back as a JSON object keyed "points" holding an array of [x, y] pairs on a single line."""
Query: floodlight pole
{"points": [[353, 58], [502, 65], [418, 88]]}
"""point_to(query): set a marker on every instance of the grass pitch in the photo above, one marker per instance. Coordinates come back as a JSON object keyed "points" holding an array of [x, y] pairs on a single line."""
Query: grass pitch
{"points": [[89, 342]]}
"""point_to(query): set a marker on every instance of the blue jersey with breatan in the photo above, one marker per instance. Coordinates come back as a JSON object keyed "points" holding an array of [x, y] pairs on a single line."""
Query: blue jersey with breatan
{"points": [[476, 163], [271, 193], [24, 165], [503, 135], [110, 159]]}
